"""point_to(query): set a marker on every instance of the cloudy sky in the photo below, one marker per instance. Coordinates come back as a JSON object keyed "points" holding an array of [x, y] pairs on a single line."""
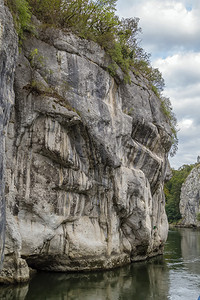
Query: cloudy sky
{"points": [[171, 33]]}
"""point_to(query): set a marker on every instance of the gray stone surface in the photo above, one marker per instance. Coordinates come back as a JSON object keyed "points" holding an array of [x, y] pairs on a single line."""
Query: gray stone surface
{"points": [[190, 198], [86, 161], [8, 56]]}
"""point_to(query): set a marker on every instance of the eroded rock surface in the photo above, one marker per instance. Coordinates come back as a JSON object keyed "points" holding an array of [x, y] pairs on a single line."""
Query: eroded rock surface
{"points": [[8, 57], [190, 199], [86, 160]]}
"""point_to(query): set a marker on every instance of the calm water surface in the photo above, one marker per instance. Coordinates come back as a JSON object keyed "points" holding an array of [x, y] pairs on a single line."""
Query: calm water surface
{"points": [[176, 275]]}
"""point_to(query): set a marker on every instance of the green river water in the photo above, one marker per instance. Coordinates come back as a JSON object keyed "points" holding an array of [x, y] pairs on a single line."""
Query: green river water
{"points": [[175, 275]]}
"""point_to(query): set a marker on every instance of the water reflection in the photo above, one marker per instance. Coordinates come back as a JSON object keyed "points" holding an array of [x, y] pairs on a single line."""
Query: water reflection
{"points": [[138, 281], [123, 283], [190, 245], [13, 292], [176, 275], [182, 254]]}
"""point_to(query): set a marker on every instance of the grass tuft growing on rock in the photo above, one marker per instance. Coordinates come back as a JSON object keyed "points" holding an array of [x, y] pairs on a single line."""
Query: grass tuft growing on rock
{"points": [[21, 12]]}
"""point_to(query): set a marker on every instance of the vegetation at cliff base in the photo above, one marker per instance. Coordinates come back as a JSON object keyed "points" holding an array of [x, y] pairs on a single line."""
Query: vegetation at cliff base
{"points": [[198, 217], [172, 191]]}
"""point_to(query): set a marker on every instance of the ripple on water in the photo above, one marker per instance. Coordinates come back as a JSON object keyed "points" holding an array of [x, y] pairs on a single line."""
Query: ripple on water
{"points": [[183, 285]]}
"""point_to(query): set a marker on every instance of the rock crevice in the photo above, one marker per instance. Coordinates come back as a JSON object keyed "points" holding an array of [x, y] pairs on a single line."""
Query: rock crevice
{"points": [[86, 161], [8, 57]]}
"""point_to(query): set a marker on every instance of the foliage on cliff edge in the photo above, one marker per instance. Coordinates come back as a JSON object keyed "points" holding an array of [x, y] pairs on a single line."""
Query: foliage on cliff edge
{"points": [[97, 20], [21, 14]]}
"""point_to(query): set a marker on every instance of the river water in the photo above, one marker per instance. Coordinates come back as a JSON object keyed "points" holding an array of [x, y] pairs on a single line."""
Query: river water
{"points": [[174, 276]]}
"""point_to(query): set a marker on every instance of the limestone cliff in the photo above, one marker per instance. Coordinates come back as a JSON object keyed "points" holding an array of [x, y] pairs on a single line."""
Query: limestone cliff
{"points": [[86, 162], [8, 56], [190, 199]]}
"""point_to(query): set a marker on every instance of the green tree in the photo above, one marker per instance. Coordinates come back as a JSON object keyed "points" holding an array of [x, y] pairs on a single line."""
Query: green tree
{"points": [[96, 20], [21, 14]]}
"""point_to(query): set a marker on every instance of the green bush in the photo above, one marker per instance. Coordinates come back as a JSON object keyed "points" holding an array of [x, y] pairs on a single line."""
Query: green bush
{"points": [[96, 20], [21, 15], [198, 217]]}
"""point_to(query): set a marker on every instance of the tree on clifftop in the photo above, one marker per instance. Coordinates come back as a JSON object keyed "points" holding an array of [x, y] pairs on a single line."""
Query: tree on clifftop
{"points": [[97, 20]]}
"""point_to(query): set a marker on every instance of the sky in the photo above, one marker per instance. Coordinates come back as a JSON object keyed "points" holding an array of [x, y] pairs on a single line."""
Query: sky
{"points": [[171, 34]]}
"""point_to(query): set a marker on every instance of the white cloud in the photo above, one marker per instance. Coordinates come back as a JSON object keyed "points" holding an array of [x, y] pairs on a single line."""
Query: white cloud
{"points": [[182, 76], [166, 25], [185, 124], [184, 67], [171, 30]]}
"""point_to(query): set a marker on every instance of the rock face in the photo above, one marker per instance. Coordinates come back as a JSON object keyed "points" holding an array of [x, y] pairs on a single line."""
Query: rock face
{"points": [[8, 56], [86, 161], [190, 199]]}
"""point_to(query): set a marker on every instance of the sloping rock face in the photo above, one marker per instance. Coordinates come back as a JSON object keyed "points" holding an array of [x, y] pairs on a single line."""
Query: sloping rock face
{"points": [[8, 57], [190, 199], [86, 160]]}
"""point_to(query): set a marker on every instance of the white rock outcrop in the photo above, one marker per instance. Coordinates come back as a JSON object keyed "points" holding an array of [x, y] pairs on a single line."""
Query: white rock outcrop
{"points": [[190, 199], [86, 161], [8, 57]]}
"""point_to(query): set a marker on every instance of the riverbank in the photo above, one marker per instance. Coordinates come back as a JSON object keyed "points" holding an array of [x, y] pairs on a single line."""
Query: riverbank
{"points": [[171, 226]]}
